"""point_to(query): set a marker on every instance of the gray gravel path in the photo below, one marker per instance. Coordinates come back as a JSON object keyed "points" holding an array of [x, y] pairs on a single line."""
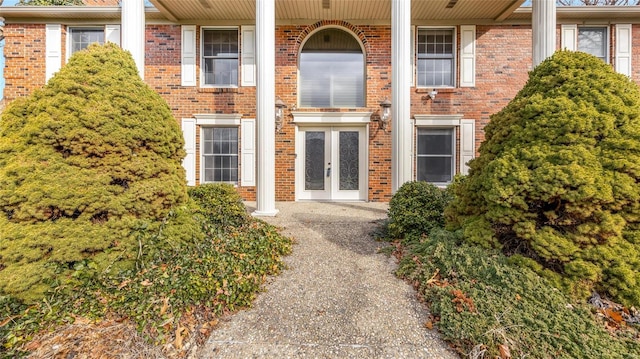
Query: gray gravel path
{"points": [[338, 299]]}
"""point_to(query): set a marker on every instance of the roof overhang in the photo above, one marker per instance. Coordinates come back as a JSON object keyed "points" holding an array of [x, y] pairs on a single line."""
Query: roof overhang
{"points": [[424, 12], [357, 11], [15, 14], [587, 14]]}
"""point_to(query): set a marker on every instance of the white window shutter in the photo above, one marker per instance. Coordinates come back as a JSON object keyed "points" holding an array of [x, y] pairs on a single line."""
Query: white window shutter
{"points": [[189, 161], [467, 55], [53, 49], [412, 57], [467, 144], [188, 55], [112, 34], [248, 56], [623, 49], [248, 149], [569, 37]]}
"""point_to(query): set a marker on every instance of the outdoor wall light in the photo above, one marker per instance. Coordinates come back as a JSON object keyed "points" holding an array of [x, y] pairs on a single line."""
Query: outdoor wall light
{"points": [[280, 106], [432, 94], [385, 114]]}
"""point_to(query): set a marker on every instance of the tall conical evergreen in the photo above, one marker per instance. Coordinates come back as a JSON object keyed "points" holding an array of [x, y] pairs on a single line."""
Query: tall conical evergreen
{"points": [[557, 179], [84, 161]]}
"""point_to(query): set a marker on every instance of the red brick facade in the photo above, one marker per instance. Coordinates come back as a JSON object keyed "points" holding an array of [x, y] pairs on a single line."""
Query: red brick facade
{"points": [[503, 60]]}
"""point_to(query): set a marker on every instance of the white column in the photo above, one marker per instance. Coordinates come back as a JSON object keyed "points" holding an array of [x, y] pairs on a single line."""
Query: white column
{"points": [[265, 108], [401, 131], [133, 24], [543, 25]]}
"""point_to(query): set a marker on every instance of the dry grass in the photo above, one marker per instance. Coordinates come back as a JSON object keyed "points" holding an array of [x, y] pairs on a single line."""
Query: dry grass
{"points": [[104, 340]]}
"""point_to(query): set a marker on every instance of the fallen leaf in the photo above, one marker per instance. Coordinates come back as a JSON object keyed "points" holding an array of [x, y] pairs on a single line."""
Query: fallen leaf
{"points": [[165, 306], [179, 338], [146, 283], [505, 353], [124, 283], [428, 324], [614, 315]]}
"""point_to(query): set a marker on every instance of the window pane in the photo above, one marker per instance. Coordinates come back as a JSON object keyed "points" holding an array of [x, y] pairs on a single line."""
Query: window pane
{"points": [[82, 38], [332, 71], [221, 72], [435, 169], [435, 57], [435, 148], [435, 142], [220, 57], [435, 72], [220, 43], [220, 150], [592, 40]]}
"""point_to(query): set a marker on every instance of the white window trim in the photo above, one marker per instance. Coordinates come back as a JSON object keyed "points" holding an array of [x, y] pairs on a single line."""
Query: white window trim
{"points": [[201, 55], [313, 117], [465, 128], [189, 161], [53, 49], [570, 33], [454, 50], [624, 49], [248, 55], [188, 55], [467, 57], [217, 120], [94, 27]]}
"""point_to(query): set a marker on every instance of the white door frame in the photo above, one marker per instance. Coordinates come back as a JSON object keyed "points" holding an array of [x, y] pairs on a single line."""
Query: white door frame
{"points": [[332, 123]]}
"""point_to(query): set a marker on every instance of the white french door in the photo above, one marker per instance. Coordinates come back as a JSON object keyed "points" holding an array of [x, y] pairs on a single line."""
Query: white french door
{"points": [[331, 163]]}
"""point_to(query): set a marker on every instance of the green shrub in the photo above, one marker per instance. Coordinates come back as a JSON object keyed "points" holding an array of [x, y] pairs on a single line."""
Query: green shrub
{"points": [[85, 162], [480, 301], [557, 178], [416, 208], [187, 267], [221, 204]]}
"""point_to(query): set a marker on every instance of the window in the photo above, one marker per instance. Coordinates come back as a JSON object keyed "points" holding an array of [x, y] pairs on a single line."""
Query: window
{"points": [[220, 57], [82, 37], [436, 60], [435, 155], [593, 40], [332, 70], [220, 154]]}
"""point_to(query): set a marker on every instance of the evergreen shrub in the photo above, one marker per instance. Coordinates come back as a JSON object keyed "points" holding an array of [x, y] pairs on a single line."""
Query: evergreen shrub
{"points": [[221, 204], [556, 181], [416, 208], [86, 162]]}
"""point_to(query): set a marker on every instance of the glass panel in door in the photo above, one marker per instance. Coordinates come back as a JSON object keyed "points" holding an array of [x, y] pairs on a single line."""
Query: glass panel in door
{"points": [[314, 161], [349, 160]]}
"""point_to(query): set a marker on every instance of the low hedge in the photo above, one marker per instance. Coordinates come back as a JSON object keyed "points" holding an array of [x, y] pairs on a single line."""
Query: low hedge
{"points": [[481, 304], [215, 270]]}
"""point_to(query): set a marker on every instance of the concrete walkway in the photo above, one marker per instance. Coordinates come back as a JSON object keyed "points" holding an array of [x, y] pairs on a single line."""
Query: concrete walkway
{"points": [[338, 299]]}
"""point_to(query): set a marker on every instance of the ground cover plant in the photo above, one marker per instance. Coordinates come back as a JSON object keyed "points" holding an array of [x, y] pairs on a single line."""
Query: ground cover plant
{"points": [[487, 307], [556, 184], [97, 228]]}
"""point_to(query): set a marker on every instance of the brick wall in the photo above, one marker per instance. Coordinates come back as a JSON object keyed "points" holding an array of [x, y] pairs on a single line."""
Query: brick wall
{"points": [[24, 59], [503, 59]]}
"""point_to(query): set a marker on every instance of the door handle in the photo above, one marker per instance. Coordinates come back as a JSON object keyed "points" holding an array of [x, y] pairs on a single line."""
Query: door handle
{"points": [[329, 170]]}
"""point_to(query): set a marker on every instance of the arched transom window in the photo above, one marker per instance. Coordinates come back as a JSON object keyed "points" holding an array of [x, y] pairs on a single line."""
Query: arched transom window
{"points": [[332, 70]]}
